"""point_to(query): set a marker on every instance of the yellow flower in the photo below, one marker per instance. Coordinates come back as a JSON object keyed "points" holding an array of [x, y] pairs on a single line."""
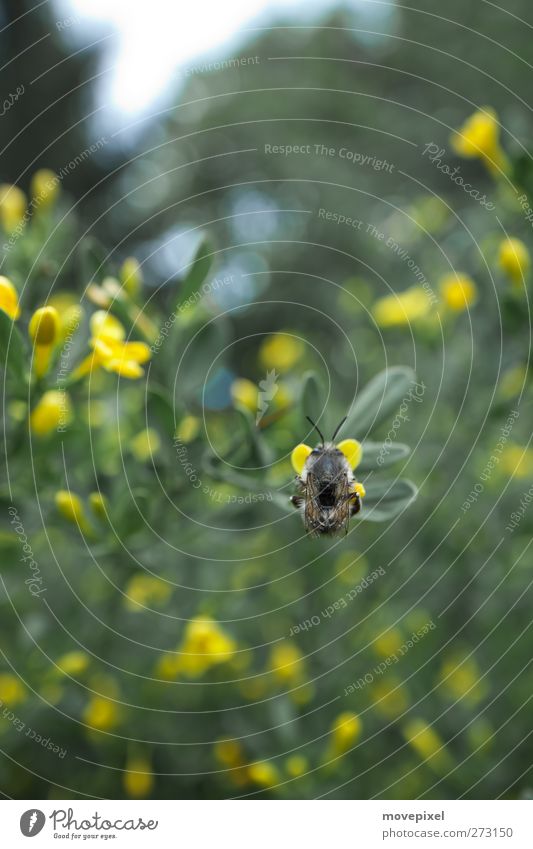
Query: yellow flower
{"points": [[517, 461], [98, 504], [345, 731], [45, 188], [479, 137], [71, 508], [388, 643], [43, 330], [281, 351], [188, 429], [101, 714], [402, 308], [287, 663], [514, 260], [145, 590], [12, 207], [205, 644], [245, 392], [73, 662], [229, 753], [264, 774], [9, 299], [145, 445], [458, 291], [513, 381], [53, 412], [131, 276], [390, 697], [110, 351], [12, 690], [138, 777], [462, 679], [427, 744], [296, 766]]}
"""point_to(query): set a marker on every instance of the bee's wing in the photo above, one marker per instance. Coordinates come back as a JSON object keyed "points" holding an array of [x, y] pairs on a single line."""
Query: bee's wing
{"points": [[342, 504], [312, 506]]}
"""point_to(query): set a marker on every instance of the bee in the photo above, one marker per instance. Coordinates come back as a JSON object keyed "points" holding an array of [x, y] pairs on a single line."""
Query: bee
{"points": [[328, 492]]}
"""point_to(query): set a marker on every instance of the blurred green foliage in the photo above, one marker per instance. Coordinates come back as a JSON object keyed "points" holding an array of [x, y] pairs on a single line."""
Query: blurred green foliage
{"points": [[178, 635]]}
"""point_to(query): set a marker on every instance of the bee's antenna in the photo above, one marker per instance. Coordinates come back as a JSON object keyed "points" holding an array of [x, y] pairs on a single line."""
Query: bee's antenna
{"points": [[316, 428], [338, 428]]}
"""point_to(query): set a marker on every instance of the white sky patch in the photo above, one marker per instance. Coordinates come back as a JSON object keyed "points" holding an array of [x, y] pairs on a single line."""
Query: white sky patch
{"points": [[154, 38]]}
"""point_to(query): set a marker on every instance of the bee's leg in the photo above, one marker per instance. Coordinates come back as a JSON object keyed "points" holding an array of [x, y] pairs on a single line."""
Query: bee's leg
{"points": [[355, 505], [296, 500]]}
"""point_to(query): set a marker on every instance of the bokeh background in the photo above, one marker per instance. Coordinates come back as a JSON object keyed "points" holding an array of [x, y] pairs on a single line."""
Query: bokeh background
{"points": [[233, 217]]}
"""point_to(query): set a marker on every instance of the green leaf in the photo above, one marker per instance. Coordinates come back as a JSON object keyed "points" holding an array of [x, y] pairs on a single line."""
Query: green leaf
{"points": [[376, 455], [13, 354], [198, 271], [161, 407], [379, 398], [313, 397], [259, 452], [218, 470], [386, 499]]}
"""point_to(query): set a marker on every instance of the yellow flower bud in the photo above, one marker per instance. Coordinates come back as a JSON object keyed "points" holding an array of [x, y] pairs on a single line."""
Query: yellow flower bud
{"points": [[138, 777], [188, 429], [71, 508], [245, 392], [458, 291], [73, 663], [131, 276], [45, 187], [53, 412], [44, 326], [427, 744], [402, 308], [145, 445], [12, 690], [287, 663], [101, 714], [480, 137], [345, 731], [296, 765], [229, 753], [281, 351], [9, 301], [98, 504], [264, 774], [12, 207], [514, 260]]}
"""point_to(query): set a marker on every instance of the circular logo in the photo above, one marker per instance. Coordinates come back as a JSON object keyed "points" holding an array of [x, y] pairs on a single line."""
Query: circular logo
{"points": [[32, 822]]}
